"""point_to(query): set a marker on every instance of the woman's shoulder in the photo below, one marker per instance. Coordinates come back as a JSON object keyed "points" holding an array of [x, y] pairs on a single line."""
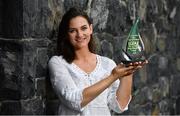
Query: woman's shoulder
{"points": [[106, 60], [57, 59]]}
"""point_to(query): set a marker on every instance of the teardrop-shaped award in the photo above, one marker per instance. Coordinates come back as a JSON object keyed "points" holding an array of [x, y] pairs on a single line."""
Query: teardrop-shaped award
{"points": [[133, 46]]}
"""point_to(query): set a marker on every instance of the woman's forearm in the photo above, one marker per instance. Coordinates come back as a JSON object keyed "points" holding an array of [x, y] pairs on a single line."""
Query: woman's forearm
{"points": [[124, 90], [93, 91], [118, 72]]}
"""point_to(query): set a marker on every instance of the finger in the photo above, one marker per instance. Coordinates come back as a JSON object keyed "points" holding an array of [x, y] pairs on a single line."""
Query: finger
{"points": [[129, 67], [138, 67], [139, 62], [136, 63], [146, 61], [130, 64], [120, 65], [129, 72]]}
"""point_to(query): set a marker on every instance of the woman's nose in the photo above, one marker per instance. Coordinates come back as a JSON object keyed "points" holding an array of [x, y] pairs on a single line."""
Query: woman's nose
{"points": [[79, 33]]}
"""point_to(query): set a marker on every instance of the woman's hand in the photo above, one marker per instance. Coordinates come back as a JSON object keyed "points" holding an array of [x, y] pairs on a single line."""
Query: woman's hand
{"points": [[138, 65], [123, 70]]}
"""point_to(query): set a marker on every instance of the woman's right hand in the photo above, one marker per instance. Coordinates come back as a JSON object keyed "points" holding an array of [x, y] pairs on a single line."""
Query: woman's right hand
{"points": [[121, 70]]}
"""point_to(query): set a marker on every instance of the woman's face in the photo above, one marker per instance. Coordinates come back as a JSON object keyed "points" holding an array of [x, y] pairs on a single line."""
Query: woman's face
{"points": [[79, 32]]}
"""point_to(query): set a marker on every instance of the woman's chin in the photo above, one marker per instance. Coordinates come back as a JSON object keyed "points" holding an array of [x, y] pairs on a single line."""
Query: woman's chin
{"points": [[82, 46]]}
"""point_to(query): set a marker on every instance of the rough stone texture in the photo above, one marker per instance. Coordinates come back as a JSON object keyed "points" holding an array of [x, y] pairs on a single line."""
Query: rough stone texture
{"points": [[23, 75], [10, 107], [11, 19], [1, 9], [28, 31]]}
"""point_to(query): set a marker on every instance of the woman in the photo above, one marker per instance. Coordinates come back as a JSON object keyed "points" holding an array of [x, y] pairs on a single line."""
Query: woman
{"points": [[87, 83]]}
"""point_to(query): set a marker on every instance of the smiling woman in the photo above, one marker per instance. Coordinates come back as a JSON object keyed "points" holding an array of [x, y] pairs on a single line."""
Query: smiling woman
{"points": [[79, 32], [65, 29], [85, 82]]}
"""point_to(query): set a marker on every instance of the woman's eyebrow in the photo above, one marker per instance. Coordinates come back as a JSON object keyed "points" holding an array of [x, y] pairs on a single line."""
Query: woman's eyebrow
{"points": [[84, 26], [80, 27]]}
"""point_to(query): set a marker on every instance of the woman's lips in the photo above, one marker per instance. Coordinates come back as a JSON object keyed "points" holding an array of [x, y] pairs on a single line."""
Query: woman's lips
{"points": [[80, 39]]}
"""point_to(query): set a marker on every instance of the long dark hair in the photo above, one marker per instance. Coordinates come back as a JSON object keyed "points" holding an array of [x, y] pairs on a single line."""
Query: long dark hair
{"points": [[64, 47]]}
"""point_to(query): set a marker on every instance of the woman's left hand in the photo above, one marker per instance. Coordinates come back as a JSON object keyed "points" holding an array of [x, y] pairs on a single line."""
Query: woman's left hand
{"points": [[138, 65]]}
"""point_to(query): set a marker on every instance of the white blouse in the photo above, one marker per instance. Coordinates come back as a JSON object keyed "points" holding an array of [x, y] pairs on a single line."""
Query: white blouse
{"points": [[68, 81]]}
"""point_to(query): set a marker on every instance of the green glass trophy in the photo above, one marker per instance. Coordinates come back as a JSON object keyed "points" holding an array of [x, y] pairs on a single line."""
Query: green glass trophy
{"points": [[133, 47]]}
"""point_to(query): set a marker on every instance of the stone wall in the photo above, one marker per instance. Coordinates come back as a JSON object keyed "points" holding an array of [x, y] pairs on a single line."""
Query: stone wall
{"points": [[28, 31]]}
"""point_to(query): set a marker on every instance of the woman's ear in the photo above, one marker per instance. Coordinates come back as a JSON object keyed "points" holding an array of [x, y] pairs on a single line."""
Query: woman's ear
{"points": [[91, 28]]}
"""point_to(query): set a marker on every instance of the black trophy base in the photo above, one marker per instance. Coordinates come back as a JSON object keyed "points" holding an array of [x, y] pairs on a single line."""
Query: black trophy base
{"points": [[127, 63]]}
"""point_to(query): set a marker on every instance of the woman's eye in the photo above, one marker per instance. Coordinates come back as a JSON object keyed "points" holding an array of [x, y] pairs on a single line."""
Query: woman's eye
{"points": [[71, 31], [84, 28]]}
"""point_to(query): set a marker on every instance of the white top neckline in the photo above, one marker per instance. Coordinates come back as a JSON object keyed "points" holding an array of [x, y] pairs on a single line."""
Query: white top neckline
{"points": [[77, 68]]}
